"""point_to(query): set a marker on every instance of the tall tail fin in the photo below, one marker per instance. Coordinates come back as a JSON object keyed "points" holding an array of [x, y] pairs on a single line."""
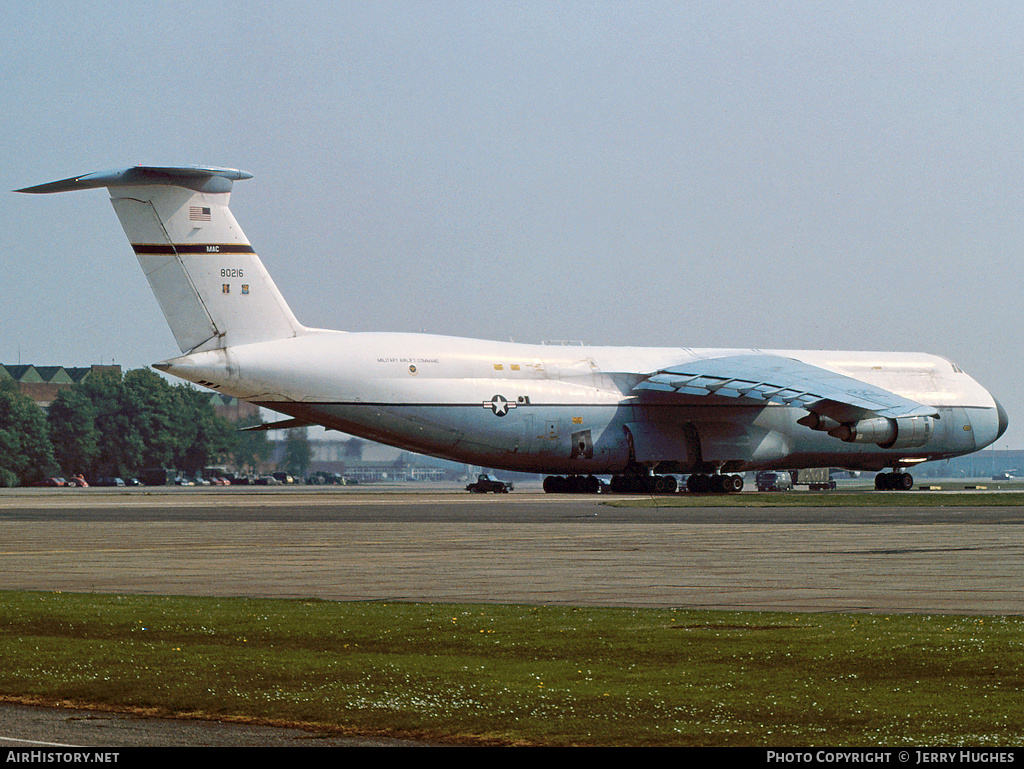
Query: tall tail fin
{"points": [[212, 287]]}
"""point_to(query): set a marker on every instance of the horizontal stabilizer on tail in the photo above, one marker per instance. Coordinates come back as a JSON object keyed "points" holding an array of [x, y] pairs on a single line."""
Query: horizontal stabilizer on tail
{"points": [[198, 178]]}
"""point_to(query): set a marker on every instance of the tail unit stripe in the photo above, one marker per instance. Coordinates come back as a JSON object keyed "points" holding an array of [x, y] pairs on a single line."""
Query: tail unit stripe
{"points": [[181, 248]]}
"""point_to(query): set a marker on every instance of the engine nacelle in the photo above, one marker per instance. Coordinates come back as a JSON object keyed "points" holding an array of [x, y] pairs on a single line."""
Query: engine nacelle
{"points": [[900, 433], [816, 421]]}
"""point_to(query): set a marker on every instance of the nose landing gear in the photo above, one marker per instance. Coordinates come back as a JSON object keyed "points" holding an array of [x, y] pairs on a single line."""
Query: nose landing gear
{"points": [[894, 481]]}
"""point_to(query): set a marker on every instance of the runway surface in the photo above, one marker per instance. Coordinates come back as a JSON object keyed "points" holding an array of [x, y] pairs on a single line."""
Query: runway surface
{"points": [[450, 546], [447, 545]]}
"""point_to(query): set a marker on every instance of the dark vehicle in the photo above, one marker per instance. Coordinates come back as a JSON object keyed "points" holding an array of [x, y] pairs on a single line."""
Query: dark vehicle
{"points": [[488, 482], [157, 476], [774, 482]]}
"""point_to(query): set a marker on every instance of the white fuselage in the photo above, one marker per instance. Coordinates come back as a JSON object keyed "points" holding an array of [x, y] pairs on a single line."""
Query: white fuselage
{"points": [[572, 409]]}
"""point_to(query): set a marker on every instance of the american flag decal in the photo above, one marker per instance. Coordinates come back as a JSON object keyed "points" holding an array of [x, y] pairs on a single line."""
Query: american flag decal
{"points": [[198, 214]]}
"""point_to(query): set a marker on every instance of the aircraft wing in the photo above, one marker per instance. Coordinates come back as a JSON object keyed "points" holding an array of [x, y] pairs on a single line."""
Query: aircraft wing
{"points": [[776, 379]]}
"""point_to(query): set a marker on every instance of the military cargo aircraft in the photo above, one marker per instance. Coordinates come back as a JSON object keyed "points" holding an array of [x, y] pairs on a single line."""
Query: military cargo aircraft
{"points": [[639, 414]]}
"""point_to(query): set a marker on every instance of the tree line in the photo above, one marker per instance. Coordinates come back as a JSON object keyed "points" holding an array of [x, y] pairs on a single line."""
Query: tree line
{"points": [[115, 424]]}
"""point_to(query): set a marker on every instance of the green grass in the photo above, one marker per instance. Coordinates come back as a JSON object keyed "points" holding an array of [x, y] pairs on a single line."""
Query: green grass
{"points": [[525, 674]]}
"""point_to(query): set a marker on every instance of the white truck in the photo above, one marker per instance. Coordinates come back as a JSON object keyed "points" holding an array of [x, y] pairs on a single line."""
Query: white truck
{"points": [[815, 478]]}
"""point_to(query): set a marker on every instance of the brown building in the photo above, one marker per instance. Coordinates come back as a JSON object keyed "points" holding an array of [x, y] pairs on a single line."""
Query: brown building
{"points": [[42, 383]]}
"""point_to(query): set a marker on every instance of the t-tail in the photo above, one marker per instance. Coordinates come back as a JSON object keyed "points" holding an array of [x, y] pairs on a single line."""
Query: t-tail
{"points": [[212, 287]]}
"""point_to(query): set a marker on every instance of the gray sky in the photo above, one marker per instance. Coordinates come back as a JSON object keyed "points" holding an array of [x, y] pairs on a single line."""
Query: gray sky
{"points": [[801, 175]]}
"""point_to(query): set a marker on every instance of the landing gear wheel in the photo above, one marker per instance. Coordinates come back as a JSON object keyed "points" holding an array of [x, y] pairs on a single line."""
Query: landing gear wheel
{"points": [[894, 482], [699, 483], [664, 484]]}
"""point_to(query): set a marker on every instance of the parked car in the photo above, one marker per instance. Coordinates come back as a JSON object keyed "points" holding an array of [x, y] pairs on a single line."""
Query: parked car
{"points": [[487, 482]]}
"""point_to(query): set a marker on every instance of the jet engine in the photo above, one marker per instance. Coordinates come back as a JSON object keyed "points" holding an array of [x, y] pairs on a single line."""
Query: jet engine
{"points": [[899, 433]]}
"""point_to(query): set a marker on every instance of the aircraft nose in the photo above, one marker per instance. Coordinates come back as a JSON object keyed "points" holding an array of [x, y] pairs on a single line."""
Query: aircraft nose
{"points": [[989, 424], [1004, 420]]}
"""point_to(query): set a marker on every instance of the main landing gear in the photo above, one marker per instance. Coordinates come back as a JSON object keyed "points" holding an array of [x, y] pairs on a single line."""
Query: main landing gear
{"points": [[620, 484], [894, 481], [572, 484], [716, 484], [628, 483], [644, 484]]}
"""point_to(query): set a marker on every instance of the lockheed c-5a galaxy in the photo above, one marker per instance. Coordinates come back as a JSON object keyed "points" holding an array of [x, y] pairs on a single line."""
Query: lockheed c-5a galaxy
{"points": [[572, 412]]}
